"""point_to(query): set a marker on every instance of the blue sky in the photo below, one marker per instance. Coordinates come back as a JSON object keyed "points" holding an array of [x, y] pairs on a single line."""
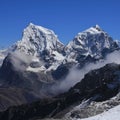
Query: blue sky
{"points": [[65, 17]]}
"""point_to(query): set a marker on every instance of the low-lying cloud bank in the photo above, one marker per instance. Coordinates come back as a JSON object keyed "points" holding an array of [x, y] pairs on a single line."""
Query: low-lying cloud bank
{"points": [[20, 61], [76, 75]]}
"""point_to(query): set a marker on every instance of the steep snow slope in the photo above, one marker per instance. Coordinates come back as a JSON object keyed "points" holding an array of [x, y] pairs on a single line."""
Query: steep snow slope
{"points": [[43, 45], [90, 108], [112, 114], [36, 39], [93, 42]]}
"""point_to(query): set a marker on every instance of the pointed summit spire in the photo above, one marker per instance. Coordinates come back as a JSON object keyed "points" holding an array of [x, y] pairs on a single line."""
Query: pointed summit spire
{"points": [[30, 24], [97, 27]]}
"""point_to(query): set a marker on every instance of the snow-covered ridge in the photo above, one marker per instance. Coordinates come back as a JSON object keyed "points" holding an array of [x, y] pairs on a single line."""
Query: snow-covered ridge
{"points": [[36, 39], [45, 47], [90, 42], [41, 44], [112, 114], [94, 30]]}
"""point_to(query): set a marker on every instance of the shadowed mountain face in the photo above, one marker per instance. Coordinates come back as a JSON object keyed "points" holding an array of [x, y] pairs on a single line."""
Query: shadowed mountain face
{"points": [[36, 66], [97, 85], [15, 96]]}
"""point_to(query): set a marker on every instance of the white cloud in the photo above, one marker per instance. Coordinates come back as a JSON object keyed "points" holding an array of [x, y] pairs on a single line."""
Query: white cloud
{"points": [[76, 75]]}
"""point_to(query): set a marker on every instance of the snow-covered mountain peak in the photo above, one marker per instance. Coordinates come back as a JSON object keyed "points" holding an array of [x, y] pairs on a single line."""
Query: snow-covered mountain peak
{"points": [[97, 26], [30, 24], [91, 42], [40, 28], [42, 45], [37, 39], [93, 30]]}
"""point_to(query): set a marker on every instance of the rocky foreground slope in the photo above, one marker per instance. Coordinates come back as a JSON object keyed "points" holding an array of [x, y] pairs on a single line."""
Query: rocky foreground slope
{"points": [[106, 86]]}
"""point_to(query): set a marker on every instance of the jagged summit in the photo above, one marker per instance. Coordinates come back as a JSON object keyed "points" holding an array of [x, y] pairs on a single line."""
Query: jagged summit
{"points": [[91, 42], [93, 30], [42, 29], [36, 39], [97, 26], [43, 43], [30, 24]]}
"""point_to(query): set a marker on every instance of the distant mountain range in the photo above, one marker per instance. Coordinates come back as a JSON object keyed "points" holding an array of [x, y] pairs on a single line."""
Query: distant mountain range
{"points": [[41, 68]]}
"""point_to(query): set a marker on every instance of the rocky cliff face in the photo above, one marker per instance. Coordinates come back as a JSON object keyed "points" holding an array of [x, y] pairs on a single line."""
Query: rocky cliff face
{"points": [[97, 85]]}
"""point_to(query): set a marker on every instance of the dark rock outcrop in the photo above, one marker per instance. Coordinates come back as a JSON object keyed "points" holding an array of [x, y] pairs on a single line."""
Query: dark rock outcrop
{"points": [[98, 85]]}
